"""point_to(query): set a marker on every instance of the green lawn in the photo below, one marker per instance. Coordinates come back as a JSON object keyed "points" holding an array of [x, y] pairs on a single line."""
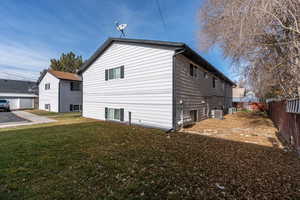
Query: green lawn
{"points": [[77, 158]]}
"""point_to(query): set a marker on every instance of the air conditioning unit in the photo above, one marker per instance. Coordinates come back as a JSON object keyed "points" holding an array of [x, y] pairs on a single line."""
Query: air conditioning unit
{"points": [[231, 110], [217, 114]]}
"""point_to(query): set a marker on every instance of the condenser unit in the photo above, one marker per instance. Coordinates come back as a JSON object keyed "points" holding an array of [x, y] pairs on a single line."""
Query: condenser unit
{"points": [[217, 114]]}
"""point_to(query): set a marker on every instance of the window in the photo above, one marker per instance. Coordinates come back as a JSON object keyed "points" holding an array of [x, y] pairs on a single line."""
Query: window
{"points": [[214, 82], [114, 73], [75, 86], [193, 70], [205, 75], [75, 108], [114, 114], [194, 114], [47, 86], [47, 106]]}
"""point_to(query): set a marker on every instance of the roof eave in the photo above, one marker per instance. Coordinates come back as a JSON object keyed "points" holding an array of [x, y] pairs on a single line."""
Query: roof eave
{"points": [[207, 65]]}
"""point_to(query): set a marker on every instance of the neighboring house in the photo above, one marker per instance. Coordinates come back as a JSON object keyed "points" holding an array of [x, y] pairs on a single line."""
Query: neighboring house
{"points": [[20, 94], [60, 92], [245, 100], [151, 83], [238, 93]]}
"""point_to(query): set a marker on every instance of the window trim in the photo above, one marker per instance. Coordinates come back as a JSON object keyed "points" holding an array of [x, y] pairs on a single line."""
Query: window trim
{"points": [[193, 70], [72, 107], [214, 82], [113, 111], [72, 88], [115, 73], [47, 86], [47, 106]]}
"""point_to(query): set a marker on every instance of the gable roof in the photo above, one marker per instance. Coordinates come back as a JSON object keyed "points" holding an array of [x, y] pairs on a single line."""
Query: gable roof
{"points": [[61, 75], [16, 86], [179, 47], [65, 75]]}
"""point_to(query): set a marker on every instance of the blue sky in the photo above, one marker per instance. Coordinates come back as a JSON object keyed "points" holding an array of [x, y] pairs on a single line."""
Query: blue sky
{"points": [[32, 32]]}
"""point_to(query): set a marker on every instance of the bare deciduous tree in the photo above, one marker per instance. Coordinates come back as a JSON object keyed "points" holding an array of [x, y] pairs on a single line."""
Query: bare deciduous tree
{"points": [[261, 36]]}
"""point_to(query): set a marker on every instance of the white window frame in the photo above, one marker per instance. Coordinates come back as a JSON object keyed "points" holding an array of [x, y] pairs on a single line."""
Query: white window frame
{"points": [[114, 73], [47, 86], [114, 114], [47, 106], [73, 85]]}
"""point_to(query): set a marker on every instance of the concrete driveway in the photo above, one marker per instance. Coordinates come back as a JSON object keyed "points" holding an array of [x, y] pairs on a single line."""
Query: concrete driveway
{"points": [[20, 118], [7, 117]]}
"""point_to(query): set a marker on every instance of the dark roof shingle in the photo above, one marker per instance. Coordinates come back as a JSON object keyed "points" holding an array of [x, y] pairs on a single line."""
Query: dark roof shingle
{"points": [[16, 86], [177, 46]]}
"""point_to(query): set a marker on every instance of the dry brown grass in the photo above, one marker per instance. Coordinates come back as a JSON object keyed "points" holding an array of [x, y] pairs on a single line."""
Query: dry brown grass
{"points": [[250, 127]]}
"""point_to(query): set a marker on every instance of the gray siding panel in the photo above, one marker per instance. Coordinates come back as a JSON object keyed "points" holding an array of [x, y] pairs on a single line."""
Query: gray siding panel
{"points": [[197, 93], [68, 97]]}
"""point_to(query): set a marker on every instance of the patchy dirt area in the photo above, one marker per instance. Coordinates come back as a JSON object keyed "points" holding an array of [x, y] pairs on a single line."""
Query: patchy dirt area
{"points": [[249, 127]]}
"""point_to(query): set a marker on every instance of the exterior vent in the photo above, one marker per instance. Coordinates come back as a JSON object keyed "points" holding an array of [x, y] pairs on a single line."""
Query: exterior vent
{"points": [[217, 114]]}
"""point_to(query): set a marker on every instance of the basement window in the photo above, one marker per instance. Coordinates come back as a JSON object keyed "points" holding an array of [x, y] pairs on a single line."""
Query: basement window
{"points": [[75, 108], [47, 106], [116, 114]]}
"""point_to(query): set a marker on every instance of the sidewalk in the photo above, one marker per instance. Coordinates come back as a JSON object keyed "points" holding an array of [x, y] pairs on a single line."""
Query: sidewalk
{"points": [[33, 119]]}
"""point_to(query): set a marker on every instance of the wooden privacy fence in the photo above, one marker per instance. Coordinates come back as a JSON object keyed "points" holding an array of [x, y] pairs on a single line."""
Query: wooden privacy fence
{"points": [[286, 116]]}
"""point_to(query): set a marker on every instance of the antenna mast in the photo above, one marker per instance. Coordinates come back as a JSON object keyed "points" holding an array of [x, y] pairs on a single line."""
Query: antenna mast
{"points": [[121, 28]]}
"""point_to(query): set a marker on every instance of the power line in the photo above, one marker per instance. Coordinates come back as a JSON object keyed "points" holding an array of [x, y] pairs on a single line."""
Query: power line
{"points": [[161, 15], [18, 76]]}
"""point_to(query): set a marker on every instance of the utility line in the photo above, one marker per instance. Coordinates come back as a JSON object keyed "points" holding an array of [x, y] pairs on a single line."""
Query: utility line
{"points": [[161, 15]]}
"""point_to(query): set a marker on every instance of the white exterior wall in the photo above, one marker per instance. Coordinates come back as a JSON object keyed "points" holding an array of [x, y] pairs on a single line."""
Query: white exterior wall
{"points": [[68, 97], [26, 103], [49, 96], [16, 103], [146, 90]]}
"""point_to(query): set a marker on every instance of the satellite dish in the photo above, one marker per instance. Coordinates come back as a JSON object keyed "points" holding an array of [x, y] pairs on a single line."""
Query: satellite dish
{"points": [[121, 28]]}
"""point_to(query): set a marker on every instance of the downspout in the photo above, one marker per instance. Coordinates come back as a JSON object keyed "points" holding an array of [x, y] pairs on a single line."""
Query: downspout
{"points": [[174, 89]]}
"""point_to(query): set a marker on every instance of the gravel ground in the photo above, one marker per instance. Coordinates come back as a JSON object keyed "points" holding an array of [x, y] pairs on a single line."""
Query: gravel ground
{"points": [[249, 127]]}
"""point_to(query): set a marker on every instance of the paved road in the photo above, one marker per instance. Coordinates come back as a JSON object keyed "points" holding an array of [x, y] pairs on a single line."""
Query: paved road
{"points": [[6, 117]]}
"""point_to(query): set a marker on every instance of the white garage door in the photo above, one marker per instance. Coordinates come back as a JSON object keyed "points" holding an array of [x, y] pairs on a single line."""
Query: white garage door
{"points": [[26, 103], [13, 104]]}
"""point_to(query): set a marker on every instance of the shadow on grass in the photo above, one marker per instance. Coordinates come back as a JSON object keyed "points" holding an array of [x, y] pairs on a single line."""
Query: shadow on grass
{"points": [[107, 160]]}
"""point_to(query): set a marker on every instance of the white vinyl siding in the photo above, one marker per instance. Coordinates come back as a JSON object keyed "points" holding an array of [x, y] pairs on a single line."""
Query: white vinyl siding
{"points": [[16, 103], [59, 89], [145, 91], [49, 96]]}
